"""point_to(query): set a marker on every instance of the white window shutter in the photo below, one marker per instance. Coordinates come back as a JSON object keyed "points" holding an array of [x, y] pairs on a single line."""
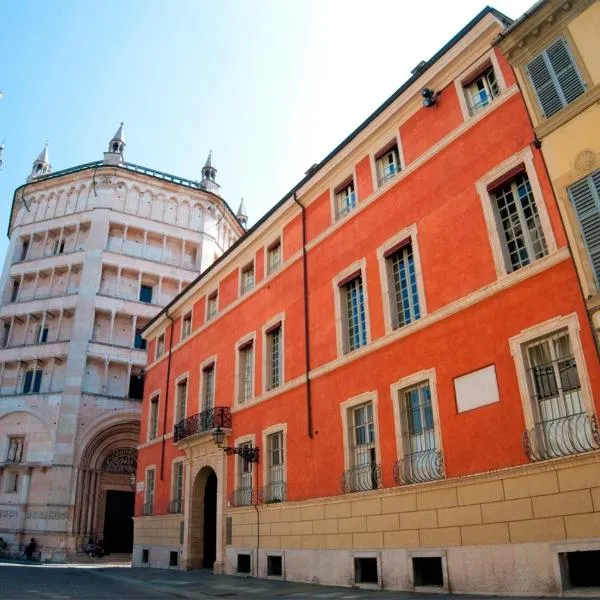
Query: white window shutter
{"points": [[585, 196]]}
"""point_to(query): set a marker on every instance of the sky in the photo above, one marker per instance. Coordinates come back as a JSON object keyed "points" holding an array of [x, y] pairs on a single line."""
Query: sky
{"points": [[270, 86]]}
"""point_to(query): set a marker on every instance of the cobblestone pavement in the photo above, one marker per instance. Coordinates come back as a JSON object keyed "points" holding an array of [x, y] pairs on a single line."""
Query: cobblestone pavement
{"points": [[53, 582]]}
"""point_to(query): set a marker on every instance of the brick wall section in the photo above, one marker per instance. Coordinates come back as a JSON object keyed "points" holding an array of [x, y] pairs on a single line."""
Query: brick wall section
{"points": [[551, 501]]}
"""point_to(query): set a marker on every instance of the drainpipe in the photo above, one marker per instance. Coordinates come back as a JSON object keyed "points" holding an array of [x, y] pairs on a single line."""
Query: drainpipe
{"points": [[257, 521], [306, 329], [537, 143], [162, 448]]}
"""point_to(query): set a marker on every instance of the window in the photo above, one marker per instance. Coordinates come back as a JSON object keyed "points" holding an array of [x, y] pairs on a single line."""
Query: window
{"points": [[246, 372], [146, 294], [580, 569], [428, 571], [153, 419], [482, 90], [145, 556], [186, 326], [139, 342], [247, 278], [177, 491], [244, 563], [274, 565], [354, 325], [44, 335], [58, 247], [12, 482], [6, 335], [160, 346], [208, 387], [585, 196], [180, 400], [273, 363], [555, 78], [15, 449], [273, 257], [275, 489], [149, 497], [402, 285], [24, 249], [173, 558], [212, 306], [363, 474], [345, 199], [32, 381], [519, 225], [365, 570], [421, 459], [136, 385], [388, 164], [243, 495], [15, 291]]}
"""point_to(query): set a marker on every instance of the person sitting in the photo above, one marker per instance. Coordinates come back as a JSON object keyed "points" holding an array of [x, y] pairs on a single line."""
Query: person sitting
{"points": [[30, 549]]}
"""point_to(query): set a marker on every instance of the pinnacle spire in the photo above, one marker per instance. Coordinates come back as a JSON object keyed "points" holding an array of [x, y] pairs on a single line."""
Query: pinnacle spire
{"points": [[116, 147], [41, 165], [209, 174], [241, 215]]}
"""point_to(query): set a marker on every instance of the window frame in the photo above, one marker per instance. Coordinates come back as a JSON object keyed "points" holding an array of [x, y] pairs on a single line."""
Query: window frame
{"points": [[334, 193], [14, 476], [384, 146], [153, 396], [275, 243], [277, 320], [174, 465], [250, 265], [21, 454], [485, 185], [189, 314], [244, 341], [340, 280], [266, 433], [238, 461], [160, 343], [151, 287], [204, 366], [208, 316], [178, 381], [146, 472]]}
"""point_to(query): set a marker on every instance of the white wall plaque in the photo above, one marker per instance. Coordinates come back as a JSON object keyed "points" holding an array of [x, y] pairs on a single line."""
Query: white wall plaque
{"points": [[475, 389]]}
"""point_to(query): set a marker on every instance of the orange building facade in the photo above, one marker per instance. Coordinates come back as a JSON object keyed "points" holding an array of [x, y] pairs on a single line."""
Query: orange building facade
{"points": [[404, 340]]}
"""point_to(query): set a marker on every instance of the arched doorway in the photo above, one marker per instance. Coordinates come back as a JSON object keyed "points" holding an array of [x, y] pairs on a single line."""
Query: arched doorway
{"points": [[203, 520]]}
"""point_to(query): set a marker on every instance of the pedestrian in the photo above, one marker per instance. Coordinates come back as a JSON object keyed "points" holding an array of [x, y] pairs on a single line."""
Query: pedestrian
{"points": [[30, 549]]}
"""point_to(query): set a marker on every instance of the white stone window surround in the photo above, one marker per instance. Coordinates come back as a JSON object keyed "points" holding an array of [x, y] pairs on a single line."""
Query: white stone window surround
{"points": [[190, 314], [237, 461], [559, 573], [348, 177], [489, 59], [264, 459], [277, 553], [523, 157], [357, 268], [278, 319], [411, 233], [146, 471], [174, 462], [517, 345], [396, 388], [158, 354], [383, 143], [213, 294], [277, 239], [11, 480], [211, 361], [183, 377], [368, 554], [153, 395], [249, 265], [434, 553], [345, 411], [241, 342]]}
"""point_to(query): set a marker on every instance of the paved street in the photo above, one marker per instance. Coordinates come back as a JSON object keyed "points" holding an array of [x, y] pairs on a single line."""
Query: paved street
{"points": [[50, 582]]}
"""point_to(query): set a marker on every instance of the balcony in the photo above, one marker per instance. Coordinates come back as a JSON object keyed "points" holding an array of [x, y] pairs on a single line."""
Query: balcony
{"points": [[243, 496], [203, 422], [419, 467], [572, 434], [274, 492], [361, 478], [175, 506]]}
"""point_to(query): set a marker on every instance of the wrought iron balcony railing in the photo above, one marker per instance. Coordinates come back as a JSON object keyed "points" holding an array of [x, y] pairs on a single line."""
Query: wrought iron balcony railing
{"points": [[273, 492], [207, 420], [572, 434], [417, 467], [175, 506], [147, 509], [361, 478], [242, 497]]}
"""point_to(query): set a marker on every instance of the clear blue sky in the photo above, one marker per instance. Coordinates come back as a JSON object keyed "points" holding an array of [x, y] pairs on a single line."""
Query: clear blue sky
{"points": [[270, 85]]}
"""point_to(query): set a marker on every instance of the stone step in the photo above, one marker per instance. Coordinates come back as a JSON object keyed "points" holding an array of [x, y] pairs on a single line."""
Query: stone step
{"points": [[81, 558]]}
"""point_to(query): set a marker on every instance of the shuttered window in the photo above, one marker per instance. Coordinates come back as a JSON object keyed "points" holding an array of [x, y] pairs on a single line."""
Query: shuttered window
{"points": [[555, 77], [585, 196]]}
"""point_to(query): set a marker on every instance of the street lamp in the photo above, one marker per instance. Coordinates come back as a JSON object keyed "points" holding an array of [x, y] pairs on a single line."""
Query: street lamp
{"points": [[248, 453]]}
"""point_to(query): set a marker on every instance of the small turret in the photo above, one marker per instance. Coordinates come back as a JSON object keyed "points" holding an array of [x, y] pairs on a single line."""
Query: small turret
{"points": [[116, 147], [209, 174], [241, 215], [41, 165]]}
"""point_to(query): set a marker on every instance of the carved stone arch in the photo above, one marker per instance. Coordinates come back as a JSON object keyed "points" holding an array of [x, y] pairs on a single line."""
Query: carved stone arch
{"points": [[183, 214], [145, 203], [171, 210], [41, 207], [71, 203], [82, 198], [131, 197], [59, 209], [197, 217], [50, 206], [159, 206]]}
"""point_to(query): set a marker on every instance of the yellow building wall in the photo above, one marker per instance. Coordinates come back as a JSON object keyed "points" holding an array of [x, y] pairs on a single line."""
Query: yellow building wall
{"points": [[585, 30]]}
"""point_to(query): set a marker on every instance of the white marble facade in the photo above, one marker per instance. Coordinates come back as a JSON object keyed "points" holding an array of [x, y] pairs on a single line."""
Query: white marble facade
{"points": [[95, 251]]}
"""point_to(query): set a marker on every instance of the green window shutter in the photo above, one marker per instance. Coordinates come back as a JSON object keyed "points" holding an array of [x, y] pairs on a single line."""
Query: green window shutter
{"points": [[585, 196]]}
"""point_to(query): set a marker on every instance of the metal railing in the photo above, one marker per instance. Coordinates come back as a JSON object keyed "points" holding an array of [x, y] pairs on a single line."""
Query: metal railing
{"points": [[273, 492], [564, 436], [242, 497], [417, 467], [361, 478], [175, 506], [207, 420], [148, 508]]}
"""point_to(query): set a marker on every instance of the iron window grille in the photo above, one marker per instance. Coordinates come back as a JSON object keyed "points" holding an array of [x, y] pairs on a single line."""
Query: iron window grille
{"points": [[482, 90], [345, 200], [354, 315], [555, 77], [365, 473], [247, 278], [243, 495], [273, 257], [388, 164], [153, 424], [521, 232], [218, 417], [405, 293], [15, 449], [246, 372], [421, 460], [562, 426], [274, 357], [275, 490], [208, 387]]}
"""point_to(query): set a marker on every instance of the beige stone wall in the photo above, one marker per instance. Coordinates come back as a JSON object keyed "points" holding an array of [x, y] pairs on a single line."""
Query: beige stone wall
{"points": [[160, 535]]}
